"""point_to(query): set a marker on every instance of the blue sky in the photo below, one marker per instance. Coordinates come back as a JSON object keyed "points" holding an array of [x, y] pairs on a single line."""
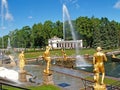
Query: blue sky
{"points": [[18, 13]]}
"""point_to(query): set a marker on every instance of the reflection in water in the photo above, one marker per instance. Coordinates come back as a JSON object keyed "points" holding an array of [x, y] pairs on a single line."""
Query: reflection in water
{"points": [[111, 69], [37, 70]]}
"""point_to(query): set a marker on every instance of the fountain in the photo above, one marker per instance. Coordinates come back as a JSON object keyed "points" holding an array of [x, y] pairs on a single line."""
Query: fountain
{"points": [[80, 61], [5, 15], [10, 75], [9, 45], [7, 59], [12, 55]]}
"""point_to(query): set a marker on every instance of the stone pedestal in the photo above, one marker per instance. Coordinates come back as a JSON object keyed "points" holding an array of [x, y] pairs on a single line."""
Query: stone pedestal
{"points": [[99, 87], [47, 78], [22, 76]]}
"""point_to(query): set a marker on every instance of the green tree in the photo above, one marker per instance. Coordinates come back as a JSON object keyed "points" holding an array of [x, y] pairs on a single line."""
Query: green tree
{"points": [[58, 29], [37, 36], [26, 35], [85, 28], [47, 30]]}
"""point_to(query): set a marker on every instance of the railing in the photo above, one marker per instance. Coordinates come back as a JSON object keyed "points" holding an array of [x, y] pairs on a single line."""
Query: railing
{"points": [[88, 84], [114, 86], [11, 85]]}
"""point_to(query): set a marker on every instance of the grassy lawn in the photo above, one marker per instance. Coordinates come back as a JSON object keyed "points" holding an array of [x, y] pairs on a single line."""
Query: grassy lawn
{"points": [[70, 52], [108, 81], [45, 87], [42, 87]]}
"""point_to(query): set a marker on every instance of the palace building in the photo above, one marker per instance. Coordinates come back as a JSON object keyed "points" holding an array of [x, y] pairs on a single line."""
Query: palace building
{"points": [[58, 43]]}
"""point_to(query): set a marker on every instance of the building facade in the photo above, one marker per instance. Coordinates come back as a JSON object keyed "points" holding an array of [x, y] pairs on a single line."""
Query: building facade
{"points": [[58, 43]]}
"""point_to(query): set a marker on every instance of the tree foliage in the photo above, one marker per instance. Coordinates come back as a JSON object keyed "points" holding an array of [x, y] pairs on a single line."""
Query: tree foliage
{"points": [[93, 31]]}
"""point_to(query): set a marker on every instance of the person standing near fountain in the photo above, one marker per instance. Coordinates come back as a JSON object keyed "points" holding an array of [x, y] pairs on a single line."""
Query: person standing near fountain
{"points": [[21, 61], [46, 57], [98, 62]]}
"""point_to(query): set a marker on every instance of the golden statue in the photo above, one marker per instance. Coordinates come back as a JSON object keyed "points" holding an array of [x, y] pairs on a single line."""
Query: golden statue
{"points": [[64, 55], [98, 62], [47, 58], [21, 61]]}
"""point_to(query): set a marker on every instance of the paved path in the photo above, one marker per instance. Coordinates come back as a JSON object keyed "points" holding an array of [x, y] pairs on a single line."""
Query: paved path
{"points": [[69, 76], [71, 72], [72, 77]]}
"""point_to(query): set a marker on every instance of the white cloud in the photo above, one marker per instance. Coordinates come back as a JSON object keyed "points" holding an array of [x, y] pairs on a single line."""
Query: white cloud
{"points": [[8, 16], [30, 17], [117, 5]]}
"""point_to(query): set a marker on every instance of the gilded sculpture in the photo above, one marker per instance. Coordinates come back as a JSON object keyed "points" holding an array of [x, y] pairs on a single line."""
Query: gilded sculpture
{"points": [[21, 61], [64, 55], [47, 58], [98, 61]]}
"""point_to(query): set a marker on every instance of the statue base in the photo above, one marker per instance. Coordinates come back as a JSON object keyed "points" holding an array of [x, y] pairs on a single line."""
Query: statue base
{"points": [[99, 87], [47, 78], [22, 76]]}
